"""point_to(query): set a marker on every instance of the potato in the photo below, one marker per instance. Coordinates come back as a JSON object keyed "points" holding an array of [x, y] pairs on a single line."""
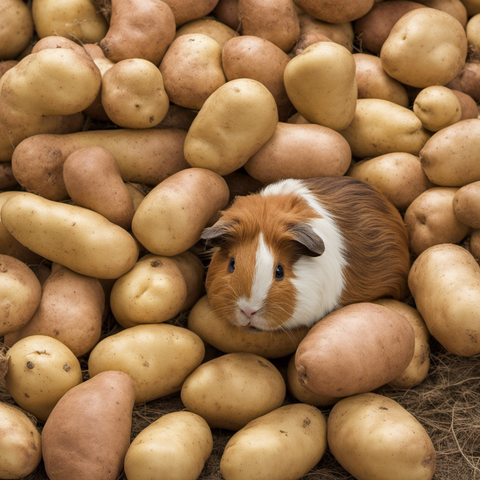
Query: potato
{"points": [[430, 220], [425, 47], [283, 444], [466, 204], [188, 10], [88, 433], [20, 443], [336, 12], [468, 105], [233, 123], [209, 26], [70, 310], [192, 70], [444, 281], [41, 369], [231, 390], [80, 239], [16, 28], [80, 20], [455, 8], [248, 56], [173, 214], [398, 175], [373, 437], [146, 34], [466, 80], [418, 368], [144, 156], [321, 84], [380, 127], [472, 6], [157, 357], [474, 244], [300, 151], [472, 29], [273, 20], [228, 338], [368, 331], [444, 163], [20, 293], [176, 446], [133, 94], [373, 82], [153, 291]]}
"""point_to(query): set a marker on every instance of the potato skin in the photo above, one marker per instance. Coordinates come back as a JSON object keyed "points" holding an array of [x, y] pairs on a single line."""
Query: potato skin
{"points": [[466, 204], [336, 12], [16, 28]]}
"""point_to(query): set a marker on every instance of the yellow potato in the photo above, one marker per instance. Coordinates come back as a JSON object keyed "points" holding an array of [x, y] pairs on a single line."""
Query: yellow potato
{"points": [[473, 34], [174, 447], [20, 443], [231, 390], [188, 10], [40, 371], [157, 357], [284, 444], [78, 238], [445, 284], [228, 338], [233, 123], [210, 26], [466, 204], [373, 437], [321, 84], [172, 216], [16, 28]]}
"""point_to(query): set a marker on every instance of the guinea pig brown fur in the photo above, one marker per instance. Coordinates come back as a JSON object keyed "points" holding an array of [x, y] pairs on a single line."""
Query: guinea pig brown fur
{"points": [[299, 249]]}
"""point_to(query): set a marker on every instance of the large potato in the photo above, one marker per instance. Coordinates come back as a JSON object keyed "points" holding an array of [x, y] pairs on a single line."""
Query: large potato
{"points": [[174, 447], [233, 123], [283, 444], [231, 390], [355, 349], [321, 84], [172, 216], [373, 437], [78, 238], [157, 357], [466, 204], [40, 371], [445, 284]]}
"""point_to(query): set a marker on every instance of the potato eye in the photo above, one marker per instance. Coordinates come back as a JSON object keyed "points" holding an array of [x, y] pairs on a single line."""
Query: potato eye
{"points": [[279, 274], [231, 265]]}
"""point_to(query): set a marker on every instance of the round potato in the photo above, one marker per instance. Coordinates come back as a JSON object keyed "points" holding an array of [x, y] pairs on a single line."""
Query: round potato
{"points": [[373, 437], [16, 28], [327, 366], [228, 338], [175, 446], [157, 357], [466, 204], [283, 444], [20, 443], [40, 371], [231, 390], [210, 26]]}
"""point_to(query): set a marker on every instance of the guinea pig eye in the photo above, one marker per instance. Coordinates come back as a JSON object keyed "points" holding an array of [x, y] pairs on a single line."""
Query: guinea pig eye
{"points": [[279, 274], [231, 265]]}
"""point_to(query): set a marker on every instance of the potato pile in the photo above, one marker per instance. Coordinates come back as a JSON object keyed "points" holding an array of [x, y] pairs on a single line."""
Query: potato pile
{"points": [[125, 127]]}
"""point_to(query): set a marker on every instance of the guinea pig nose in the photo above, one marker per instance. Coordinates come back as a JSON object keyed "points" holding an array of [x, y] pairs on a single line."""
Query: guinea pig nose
{"points": [[249, 312]]}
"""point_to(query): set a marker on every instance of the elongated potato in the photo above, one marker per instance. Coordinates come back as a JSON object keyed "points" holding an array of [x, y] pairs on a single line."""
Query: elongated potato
{"points": [[78, 238]]}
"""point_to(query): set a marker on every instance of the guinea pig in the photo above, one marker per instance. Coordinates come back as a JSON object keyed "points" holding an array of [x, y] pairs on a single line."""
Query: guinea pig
{"points": [[298, 249]]}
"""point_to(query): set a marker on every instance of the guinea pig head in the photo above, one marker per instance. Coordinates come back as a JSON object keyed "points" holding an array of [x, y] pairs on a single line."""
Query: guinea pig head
{"points": [[258, 240]]}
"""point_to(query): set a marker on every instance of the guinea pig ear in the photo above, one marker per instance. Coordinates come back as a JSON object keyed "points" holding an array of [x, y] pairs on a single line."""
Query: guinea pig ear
{"points": [[216, 235], [309, 242]]}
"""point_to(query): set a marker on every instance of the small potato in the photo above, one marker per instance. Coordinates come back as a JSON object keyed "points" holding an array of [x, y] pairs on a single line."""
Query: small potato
{"points": [[40, 371], [466, 204], [430, 220], [467, 80], [228, 338], [284, 444], [93, 180], [209, 26], [398, 175], [300, 151], [133, 94], [373, 437], [20, 294], [153, 291], [233, 389], [444, 281], [335, 368], [16, 28], [172, 216], [20, 443], [176, 446], [321, 84], [468, 105], [336, 12], [157, 357], [233, 123]]}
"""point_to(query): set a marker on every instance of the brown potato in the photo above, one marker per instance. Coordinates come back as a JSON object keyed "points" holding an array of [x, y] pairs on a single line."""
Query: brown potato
{"points": [[336, 12], [227, 12], [455, 8], [88, 432], [209, 26], [341, 33], [7, 179], [467, 80], [468, 105], [466, 204], [186, 10]]}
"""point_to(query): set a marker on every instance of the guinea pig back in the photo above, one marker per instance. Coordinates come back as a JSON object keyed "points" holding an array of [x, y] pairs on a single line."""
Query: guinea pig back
{"points": [[299, 249]]}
